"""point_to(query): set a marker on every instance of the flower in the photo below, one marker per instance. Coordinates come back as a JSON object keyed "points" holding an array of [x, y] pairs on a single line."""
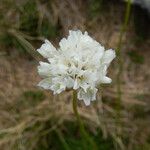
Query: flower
{"points": [[80, 63]]}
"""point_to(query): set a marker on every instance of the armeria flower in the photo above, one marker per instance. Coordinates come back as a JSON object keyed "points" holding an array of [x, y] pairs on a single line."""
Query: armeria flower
{"points": [[80, 63]]}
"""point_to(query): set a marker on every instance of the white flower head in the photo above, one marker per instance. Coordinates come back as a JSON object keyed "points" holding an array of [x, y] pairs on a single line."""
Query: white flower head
{"points": [[80, 63]]}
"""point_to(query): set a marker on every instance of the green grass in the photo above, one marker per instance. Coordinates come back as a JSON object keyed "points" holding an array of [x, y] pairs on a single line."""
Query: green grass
{"points": [[95, 7], [48, 29], [135, 57], [29, 18], [72, 138], [29, 99]]}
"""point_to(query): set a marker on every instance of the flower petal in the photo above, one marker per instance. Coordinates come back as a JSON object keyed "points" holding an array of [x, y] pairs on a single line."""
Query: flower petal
{"points": [[69, 82], [106, 80], [108, 56], [47, 49], [44, 69], [76, 84], [58, 84], [88, 96], [45, 83], [58, 88]]}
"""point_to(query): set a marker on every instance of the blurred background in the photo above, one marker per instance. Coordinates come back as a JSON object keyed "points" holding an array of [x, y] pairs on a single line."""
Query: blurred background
{"points": [[34, 119]]}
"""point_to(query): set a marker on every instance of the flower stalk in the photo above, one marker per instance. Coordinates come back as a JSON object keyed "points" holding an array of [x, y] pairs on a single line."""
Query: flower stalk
{"points": [[120, 59], [79, 120], [120, 68], [118, 52]]}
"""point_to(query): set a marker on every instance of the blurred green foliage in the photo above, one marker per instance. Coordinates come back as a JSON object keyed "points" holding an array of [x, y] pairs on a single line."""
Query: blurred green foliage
{"points": [[49, 30], [141, 22], [95, 7], [34, 95], [6, 40], [141, 111], [144, 147], [30, 21], [29, 18], [135, 57], [142, 97], [25, 17], [73, 139], [29, 99]]}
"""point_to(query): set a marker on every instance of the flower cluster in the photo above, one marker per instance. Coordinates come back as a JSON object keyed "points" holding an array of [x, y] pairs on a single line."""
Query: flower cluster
{"points": [[80, 63]]}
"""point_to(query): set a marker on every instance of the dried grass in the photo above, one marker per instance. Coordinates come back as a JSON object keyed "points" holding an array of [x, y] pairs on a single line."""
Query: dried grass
{"points": [[17, 75]]}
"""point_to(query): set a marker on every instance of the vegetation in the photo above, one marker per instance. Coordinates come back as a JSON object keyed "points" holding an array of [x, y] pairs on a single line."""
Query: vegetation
{"points": [[33, 119]]}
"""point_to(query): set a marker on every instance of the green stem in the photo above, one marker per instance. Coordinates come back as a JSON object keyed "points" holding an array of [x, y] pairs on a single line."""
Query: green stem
{"points": [[120, 59], [120, 66], [65, 145], [81, 125], [25, 44]]}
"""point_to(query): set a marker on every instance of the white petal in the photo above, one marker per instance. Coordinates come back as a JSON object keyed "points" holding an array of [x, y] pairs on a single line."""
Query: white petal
{"points": [[58, 88], [106, 80], [87, 102], [74, 36], [44, 69], [85, 86], [58, 84], [69, 82], [88, 96], [76, 84], [109, 55], [47, 49], [45, 83], [63, 44]]}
